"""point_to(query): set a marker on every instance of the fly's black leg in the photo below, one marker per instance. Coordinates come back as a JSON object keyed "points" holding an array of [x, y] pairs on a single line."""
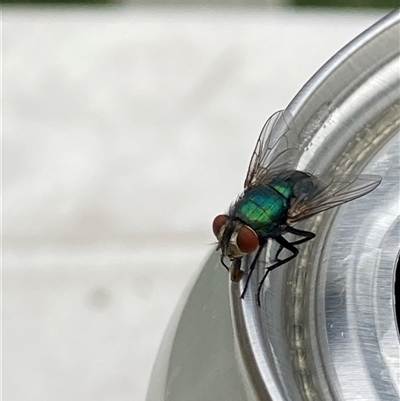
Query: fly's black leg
{"points": [[285, 244], [223, 264], [308, 235], [301, 233], [252, 267], [278, 252]]}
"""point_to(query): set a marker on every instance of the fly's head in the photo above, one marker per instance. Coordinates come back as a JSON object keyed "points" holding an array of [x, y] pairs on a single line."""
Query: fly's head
{"points": [[235, 239]]}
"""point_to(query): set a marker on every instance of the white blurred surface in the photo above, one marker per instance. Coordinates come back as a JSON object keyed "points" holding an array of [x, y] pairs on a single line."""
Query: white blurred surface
{"points": [[125, 132]]}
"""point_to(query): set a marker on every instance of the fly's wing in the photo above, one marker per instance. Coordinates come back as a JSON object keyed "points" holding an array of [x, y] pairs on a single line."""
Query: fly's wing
{"points": [[276, 150], [324, 194]]}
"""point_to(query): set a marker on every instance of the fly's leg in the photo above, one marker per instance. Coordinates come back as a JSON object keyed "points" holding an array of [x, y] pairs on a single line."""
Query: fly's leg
{"points": [[308, 235], [285, 244], [252, 267], [223, 264]]}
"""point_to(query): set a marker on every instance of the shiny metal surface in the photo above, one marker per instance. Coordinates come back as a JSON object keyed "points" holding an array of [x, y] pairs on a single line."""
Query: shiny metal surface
{"points": [[327, 328]]}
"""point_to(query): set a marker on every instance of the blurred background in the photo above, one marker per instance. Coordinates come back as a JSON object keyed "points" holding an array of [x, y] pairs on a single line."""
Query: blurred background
{"points": [[126, 128]]}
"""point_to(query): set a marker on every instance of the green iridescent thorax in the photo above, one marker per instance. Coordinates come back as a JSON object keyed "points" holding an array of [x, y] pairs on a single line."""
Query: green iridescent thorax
{"points": [[264, 208]]}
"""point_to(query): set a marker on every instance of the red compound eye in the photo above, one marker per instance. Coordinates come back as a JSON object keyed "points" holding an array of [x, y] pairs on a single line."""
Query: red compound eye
{"points": [[247, 239], [218, 222]]}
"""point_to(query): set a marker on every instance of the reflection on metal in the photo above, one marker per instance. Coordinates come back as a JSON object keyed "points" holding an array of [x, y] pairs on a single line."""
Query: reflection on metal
{"points": [[326, 329]]}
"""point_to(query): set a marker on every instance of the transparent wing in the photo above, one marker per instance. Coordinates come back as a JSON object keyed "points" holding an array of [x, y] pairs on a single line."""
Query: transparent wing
{"points": [[318, 194], [276, 149]]}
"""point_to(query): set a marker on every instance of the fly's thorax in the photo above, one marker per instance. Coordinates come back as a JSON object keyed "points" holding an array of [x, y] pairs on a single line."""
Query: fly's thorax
{"points": [[264, 208], [235, 238]]}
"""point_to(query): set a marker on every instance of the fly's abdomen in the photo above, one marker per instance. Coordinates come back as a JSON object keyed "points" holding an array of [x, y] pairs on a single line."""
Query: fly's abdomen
{"points": [[284, 187], [263, 208]]}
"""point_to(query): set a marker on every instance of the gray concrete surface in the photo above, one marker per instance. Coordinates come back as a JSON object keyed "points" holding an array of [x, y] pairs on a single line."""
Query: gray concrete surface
{"points": [[125, 131]]}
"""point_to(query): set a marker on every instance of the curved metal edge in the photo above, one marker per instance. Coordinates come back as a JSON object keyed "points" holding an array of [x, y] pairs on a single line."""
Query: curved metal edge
{"points": [[333, 65]]}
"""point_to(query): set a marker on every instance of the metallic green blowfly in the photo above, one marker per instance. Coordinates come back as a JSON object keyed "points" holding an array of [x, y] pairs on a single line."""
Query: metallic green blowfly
{"points": [[275, 197]]}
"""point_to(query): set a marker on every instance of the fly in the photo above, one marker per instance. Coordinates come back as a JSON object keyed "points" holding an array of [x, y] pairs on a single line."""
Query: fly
{"points": [[275, 197]]}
